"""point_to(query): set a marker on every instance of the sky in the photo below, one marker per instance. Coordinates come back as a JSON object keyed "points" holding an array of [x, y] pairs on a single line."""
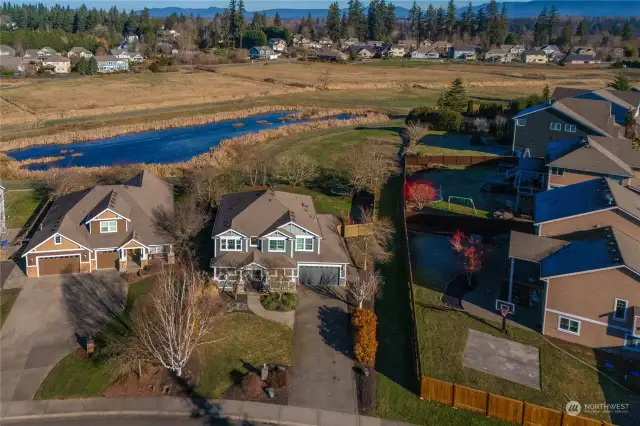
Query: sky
{"points": [[249, 4]]}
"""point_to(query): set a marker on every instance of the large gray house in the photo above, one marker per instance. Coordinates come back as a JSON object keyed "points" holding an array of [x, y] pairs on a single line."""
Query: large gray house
{"points": [[566, 118], [260, 237]]}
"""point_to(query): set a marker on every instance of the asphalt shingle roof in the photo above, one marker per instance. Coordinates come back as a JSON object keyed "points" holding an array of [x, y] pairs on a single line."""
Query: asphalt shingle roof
{"points": [[533, 248], [589, 156]]}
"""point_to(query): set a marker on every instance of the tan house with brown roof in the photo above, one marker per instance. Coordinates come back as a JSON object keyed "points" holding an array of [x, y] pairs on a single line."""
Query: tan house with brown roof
{"points": [[261, 238], [106, 227]]}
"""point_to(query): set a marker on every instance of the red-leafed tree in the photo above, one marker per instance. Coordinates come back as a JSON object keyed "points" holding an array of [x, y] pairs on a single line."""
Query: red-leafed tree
{"points": [[421, 194], [473, 258], [457, 241]]}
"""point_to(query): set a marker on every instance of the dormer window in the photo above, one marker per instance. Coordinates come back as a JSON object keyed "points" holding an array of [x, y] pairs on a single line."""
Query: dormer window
{"points": [[304, 243], [108, 226], [57, 240], [230, 244], [277, 245]]}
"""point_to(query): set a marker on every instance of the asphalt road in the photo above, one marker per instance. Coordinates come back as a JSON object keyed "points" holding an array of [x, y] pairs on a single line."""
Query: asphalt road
{"points": [[134, 421]]}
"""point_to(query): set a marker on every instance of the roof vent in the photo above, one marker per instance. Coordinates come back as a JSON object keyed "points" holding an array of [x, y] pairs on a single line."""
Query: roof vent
{"points": [[609, 198]]}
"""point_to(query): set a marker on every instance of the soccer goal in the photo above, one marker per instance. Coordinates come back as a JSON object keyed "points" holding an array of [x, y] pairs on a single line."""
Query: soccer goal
{"points": [[461, 201]]}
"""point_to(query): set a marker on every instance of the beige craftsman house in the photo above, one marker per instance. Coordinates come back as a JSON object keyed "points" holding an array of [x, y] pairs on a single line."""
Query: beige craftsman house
{"points": [[106, 227], [260, 237], [584, 263]]}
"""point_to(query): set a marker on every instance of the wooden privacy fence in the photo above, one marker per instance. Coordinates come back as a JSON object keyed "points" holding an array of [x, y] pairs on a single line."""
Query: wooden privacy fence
{"points": [[449, 160], [499, 407], [358, 230]]}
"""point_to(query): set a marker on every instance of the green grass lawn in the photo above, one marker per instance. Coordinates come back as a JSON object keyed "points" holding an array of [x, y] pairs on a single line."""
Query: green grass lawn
{"points": [[397, 379], [455, 144], [7, 298], [458, 209], [443, 334], [20, 205], [238, 337]]}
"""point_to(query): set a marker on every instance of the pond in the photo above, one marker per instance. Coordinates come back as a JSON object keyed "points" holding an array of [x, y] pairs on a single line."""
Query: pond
{"points": [[159, 146]]}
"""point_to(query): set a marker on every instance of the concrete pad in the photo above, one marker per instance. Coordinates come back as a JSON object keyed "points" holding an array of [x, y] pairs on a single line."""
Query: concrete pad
{"points": [[25, 408], [298, 415], [95, 405], [43, 356], [8, 384], [260, 411], [503, 358], [371, 421], [29, 383], [332, 418], [64, 406], [228, 407], [13, 358], [141, 403]]}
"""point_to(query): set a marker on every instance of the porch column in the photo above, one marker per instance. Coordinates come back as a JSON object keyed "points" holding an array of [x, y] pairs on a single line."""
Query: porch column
{"points": [[144, 261], [511, 281], [122, 262]]}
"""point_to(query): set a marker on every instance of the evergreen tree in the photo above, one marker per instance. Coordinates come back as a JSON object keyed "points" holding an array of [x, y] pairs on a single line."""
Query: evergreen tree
{"points": [[239, 22], [415, 14], [567, 33], [493, 23], [389, 21], [310, 26], [254, 37], [546, 94], [276, 20], [431, 23], [481, 22], [630, 126], [582, 30], [344, 26], [258, 22], [552, 20], [466, 23], [540, 33], [92, 66], [455, 98], [450, 20], [440, 22], [627, 32], [333, 24], [621, 82], [504, 24], [357, 19]]}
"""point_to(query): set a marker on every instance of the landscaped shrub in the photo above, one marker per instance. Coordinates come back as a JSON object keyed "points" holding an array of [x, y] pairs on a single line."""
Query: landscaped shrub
{"points": [[365, 345], [289, 301], [490, 110], [279, 302], [436, 118]]}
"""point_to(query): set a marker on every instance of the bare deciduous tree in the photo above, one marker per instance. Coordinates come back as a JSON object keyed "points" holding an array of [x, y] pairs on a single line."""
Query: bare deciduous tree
{"points": [[181, 224], [176, 317], [208, 184], [370, 165], [363, 288], [325, 79], [65, 181], [481, 125], [296, 169], [373, 245], [254, 164], [413, 134]]}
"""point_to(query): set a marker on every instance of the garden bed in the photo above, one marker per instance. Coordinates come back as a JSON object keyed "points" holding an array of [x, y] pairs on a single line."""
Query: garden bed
{"points": [[281, 302]]}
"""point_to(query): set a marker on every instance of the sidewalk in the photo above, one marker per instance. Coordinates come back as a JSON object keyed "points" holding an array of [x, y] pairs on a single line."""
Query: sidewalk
{"points": [[286, 318], [181, 407]]}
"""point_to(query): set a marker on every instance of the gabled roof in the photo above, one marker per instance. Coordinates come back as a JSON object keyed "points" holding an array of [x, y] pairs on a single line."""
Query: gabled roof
{"points": [[568, 92], [256, 213], [583, 198], [114, 202], [533, 248], [589, 58], [142, 195], [588, 155], [591, 113], [79, 50]]}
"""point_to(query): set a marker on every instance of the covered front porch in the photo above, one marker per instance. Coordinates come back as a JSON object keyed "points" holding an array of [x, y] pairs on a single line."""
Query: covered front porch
{"points": [[255, 278], [133, 256]]}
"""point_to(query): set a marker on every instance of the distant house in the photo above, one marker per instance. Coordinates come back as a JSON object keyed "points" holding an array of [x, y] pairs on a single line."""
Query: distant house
{"points": [[442, 47], [517, 49], [463, 52], [299, 40], [136, 57], [132, 39], [584, 50], [47, 51], [375, 43], [7, 50], [56, 64], [262, 52], [498, 55], [396, 51], [11, 63], [332, 55], [325, 41], [108, 64], [362, 51], [79, 52], [550, 49], [577, 160], [348, 42], [39, 53], [120, 53], [581, 60], [534, 57], [277, 44], [408, 44], [617, 52], [424, 53]]}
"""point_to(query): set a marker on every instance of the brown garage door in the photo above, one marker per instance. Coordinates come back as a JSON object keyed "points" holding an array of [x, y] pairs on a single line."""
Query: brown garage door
{"points": [[59, 265], [107, 259]]}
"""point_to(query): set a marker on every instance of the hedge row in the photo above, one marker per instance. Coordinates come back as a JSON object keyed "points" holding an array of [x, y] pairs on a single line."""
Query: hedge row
{"points": [[365, 345], [437, 118]]}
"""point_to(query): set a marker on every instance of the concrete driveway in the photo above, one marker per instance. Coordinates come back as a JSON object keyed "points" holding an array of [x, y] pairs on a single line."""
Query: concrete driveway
{"points": [[49, 318], [322, 373]]}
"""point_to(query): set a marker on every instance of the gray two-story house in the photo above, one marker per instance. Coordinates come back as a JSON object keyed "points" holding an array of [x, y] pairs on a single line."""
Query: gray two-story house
{"points": [[535, 127], [264, 237]]}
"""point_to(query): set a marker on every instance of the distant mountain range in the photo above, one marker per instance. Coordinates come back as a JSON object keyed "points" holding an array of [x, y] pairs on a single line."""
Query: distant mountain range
{"points": [[622, 8]]}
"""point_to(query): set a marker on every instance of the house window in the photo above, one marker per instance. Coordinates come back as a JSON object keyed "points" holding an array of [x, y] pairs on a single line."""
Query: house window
{"points": [[521, 122], [108, 226], [57, 240], [557, 171], [155, 249], [276, 245], [620, 310], [568, 325], [230, 244], [632, 343], [555, 126], [304, 243], [570, 128], [253, 242]]}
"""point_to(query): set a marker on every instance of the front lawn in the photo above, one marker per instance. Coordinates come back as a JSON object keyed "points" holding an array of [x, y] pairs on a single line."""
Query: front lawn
{"points": [[7, 298], [239, 340], [20, 205]]}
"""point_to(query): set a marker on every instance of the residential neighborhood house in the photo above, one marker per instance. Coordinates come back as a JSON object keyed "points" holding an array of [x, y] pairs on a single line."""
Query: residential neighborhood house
{"points": [[263, 236], [79, 52], [277, 44], [108, 64], [7, 50], [424, 53], [11, 63], [534, 57], [580, 60], [262, 52], [463, 52], [106, 227], [56, 64], [332, 55]]}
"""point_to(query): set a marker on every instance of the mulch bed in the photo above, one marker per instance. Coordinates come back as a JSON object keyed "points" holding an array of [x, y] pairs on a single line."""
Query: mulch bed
{"points": [[250, 387]]}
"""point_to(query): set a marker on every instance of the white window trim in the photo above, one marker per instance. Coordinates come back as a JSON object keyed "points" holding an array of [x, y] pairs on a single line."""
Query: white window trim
{"points": [[253, 245], [626, 306], [521, 120], [107, 223], [55, 238], [560, 318], [304, 238], [557, 171], [570, 128], [627, 337], [556, 127], [225, 239], [284, 249]]}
